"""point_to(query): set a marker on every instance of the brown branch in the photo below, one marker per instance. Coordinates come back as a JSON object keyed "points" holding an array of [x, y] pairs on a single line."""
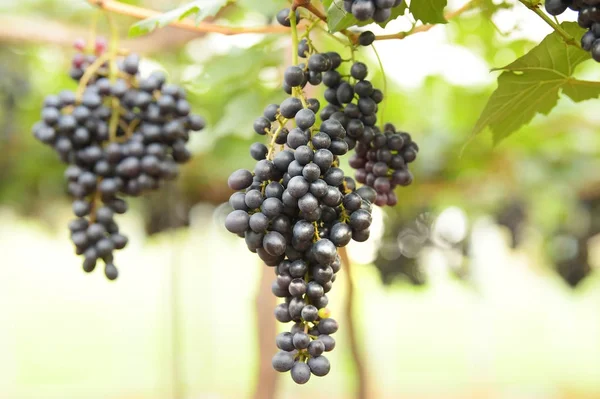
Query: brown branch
{"points": [[21, 30], [424, 28], [202, 27], [265, 302], [361, 372]]}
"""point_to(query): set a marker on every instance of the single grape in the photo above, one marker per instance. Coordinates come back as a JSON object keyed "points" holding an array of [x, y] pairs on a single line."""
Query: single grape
{"points": [[319, 366], [300, 373], [283, 361], [366, 38]]}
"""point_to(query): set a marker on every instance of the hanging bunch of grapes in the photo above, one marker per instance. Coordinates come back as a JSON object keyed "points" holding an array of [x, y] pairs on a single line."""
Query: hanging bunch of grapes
{"points": [[121, 135], [297, 207]]}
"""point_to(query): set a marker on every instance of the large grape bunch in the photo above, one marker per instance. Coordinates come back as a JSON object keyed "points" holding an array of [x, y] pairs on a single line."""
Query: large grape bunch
{"points": [[120, 137], [378, 10], [588, 18], [381, 158], [294, 210]]}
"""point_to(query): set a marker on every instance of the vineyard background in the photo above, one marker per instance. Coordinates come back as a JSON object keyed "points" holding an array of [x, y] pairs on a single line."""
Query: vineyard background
{"points": [[473, 319]]}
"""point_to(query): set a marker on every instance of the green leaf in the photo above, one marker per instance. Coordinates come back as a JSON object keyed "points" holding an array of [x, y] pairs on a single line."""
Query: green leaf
{"points": [[580, 90], [531, 84], [199, 8], [338, 18], [210, 8], [428, 11], [327, 3]]}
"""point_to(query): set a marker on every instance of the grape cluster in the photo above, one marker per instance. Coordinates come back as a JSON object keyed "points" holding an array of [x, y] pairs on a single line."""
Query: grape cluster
{"points": [[119, 138], [294, 210], [381, 158], [381, 163], [378, 10], [588, 18]]}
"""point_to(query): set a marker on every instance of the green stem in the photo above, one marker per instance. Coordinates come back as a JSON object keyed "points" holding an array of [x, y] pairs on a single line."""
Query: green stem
{"points": [[296, 91], [310, 27], [566, 35], [275, 135], [294, 27], [113, 74], [381, 114]]}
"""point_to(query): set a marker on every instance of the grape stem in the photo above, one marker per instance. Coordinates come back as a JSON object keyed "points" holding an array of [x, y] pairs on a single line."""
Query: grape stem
{"points": [[94, 202], [382, 113], [296, 91], [424, 28], [275, 135], [535, 7], [203, 27], [316, 237], [89, 74], [294, 28]]}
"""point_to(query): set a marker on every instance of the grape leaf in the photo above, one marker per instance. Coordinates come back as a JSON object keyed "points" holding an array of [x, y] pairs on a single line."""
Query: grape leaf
{"points": [[428, 11], [199, 8], [532, 83], [338, 18], [210, 8]]}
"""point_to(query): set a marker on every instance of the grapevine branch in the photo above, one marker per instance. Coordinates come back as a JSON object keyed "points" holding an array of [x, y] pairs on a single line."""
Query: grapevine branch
{"points": [[361, 372], [202, 27], [535, 7], [208, 27], [424, 28], [265, 301], [25, 31]]}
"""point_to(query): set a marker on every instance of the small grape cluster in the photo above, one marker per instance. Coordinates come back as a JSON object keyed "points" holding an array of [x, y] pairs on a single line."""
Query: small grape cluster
{"points": [[378, 10], [355, 106], [294, 211], [382, 163], [588, 18], [121, 137]]}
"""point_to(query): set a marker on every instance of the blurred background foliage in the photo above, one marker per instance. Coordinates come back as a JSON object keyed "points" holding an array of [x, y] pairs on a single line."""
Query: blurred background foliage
{"points": [[540, 187]]}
